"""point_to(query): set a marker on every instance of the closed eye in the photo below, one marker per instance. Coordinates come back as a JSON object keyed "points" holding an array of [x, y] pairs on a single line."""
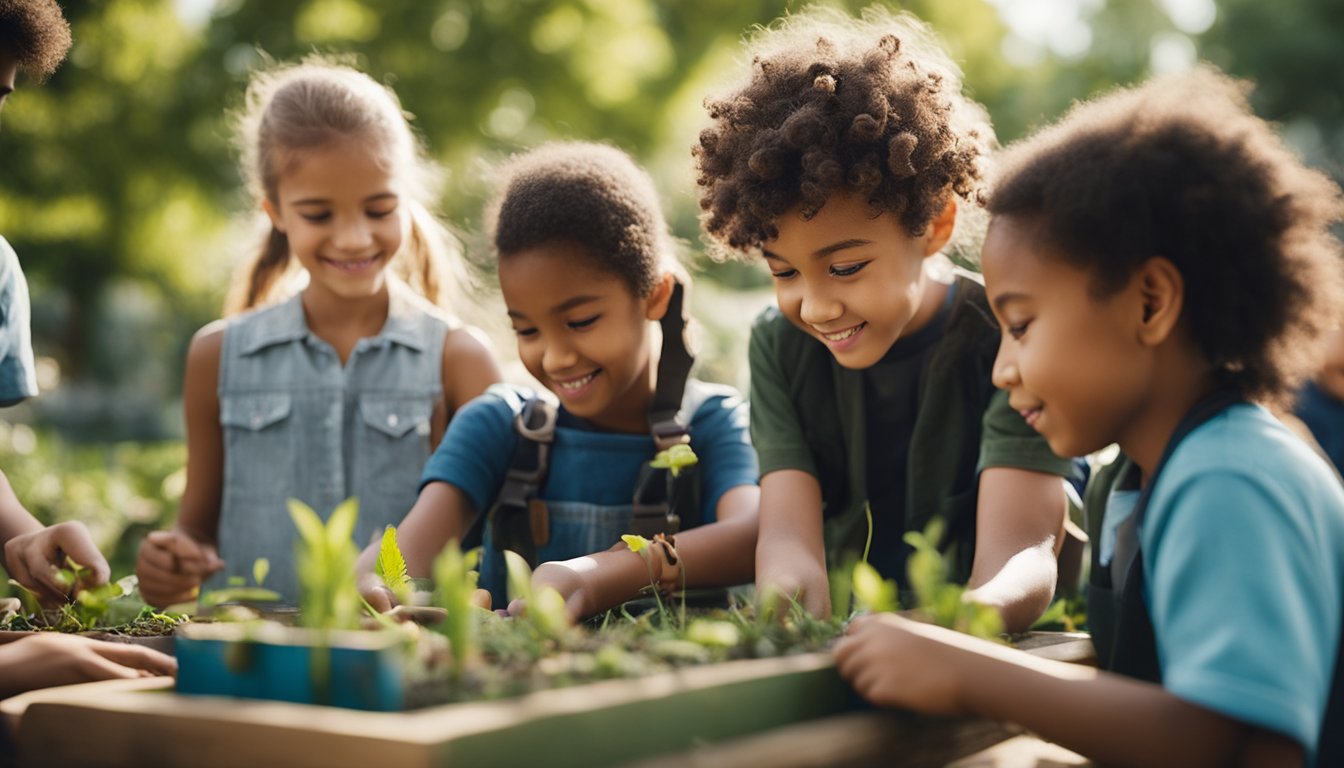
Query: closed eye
{"points": [[316, 217], [1017, 331], [525, 332], [783, 274], [845, 270], [579, 324]]}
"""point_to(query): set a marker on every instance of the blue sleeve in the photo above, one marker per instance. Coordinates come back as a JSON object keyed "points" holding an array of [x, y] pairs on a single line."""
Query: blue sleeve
{"points": [[1244, 602], [18, 378], [476, 450], [721, 441]]}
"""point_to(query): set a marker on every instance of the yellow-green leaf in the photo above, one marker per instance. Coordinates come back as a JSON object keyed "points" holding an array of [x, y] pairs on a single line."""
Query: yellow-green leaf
{"points": [[634, 541]]}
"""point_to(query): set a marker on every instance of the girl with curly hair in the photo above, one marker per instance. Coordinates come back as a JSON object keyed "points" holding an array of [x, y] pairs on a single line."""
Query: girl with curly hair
{"points": [[1161, 265], [846, 160]]}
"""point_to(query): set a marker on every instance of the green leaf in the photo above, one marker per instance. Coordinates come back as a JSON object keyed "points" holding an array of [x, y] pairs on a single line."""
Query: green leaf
{"points": [[261, 567], [391, 566], [871, 592], [307, 521], [341, 524], [519, 576], [675, 458]]}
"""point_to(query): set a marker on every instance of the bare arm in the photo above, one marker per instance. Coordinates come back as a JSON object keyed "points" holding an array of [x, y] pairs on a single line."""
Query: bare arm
{"points": [[441, 514], [468, 368], [1019, 522], [791, 549], [895, 662], [172, 564]]}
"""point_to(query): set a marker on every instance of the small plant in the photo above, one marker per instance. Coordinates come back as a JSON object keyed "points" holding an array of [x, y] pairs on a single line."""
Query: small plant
{"points": [[545, 609], [114, 607], [939, 601], [675, 458], [325, 558], [391, 567], [455, 579], [644, 548], [237, 590]]}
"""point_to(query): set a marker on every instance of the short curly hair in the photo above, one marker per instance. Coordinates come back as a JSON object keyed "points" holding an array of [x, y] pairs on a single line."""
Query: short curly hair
{"points": [[590, 195], [35, 33], [1181, 168], [832, 104]]}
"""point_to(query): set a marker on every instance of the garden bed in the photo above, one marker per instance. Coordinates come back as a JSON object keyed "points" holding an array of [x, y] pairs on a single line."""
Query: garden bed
{"points": [[607, 723]]}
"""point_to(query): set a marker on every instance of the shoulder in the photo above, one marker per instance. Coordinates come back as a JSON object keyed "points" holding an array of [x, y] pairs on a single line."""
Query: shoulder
{"points": [[467, 345], [207, 342], [777, 341], [705, 400]]}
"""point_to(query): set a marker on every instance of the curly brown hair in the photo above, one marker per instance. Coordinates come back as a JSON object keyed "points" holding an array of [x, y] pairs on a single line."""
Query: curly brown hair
{"points": [[1181, 168], [35, 33], [590, 195], [832, 104]]}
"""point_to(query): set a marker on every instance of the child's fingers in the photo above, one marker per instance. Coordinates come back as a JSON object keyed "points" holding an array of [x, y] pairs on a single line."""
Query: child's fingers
{"points": [[157, 558], [72, 540], [481, 599], [138, 657]]}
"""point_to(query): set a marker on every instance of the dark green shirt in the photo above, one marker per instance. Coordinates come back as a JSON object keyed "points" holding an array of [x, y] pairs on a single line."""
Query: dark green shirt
{"points": [[810, 413]]}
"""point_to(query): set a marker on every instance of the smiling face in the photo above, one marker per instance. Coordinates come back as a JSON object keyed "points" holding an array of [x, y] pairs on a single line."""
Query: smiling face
{"points": [[852, 280], [340, 207], [1074, 365], [583, 333]]}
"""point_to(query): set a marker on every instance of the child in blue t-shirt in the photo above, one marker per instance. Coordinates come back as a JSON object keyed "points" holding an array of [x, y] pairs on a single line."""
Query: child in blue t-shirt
{"points": [[1160, 263], [586, 269]]}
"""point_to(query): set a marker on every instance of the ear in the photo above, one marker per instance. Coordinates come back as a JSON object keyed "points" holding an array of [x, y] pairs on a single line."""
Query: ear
{"points": [[656, 303], [940, 229], [1162, 293], [273, 214]]}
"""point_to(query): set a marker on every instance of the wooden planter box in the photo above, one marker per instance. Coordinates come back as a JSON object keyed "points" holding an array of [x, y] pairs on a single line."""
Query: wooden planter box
{"points": [[132, 723], [357, 670]]}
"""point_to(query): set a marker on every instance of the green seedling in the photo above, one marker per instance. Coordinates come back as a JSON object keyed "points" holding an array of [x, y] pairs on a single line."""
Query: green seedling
{"points": [[455, 581], [325, 558], [545, 608], [391, 567], [674, 459], [237, 590], [941, 602]]}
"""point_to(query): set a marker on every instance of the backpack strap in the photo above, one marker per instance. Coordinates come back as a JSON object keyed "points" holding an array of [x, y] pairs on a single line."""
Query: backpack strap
{"points": [[674, 366], [518, 520]]}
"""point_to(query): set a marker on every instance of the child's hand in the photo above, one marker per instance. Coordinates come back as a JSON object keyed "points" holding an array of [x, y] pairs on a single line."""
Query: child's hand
{"points": [[572, 583], [896, 662], [51, 658], [171, 566], [784, 575], [33, 559], [376, 593]]}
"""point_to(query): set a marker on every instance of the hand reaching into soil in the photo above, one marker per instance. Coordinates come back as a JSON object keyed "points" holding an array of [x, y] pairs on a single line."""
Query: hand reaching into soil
{"points": [[171, 566], [34, 558], [51, 658], [785, 575]]}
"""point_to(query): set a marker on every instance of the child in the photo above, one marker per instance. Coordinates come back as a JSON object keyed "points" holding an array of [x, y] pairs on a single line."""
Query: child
{"points": [[342, 389], [34, 37], [586, 268], [1159, 262], [845, 160]]}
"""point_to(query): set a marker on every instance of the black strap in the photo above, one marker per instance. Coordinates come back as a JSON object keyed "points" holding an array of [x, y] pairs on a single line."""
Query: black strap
{"points": [[1123, 635], [674, 367], [511, 518]]}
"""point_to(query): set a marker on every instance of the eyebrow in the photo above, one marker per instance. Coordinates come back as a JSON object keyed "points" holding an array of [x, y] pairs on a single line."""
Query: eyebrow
{"points": [[324, 201], [1008, 298], [825, 251], [563, 306]]}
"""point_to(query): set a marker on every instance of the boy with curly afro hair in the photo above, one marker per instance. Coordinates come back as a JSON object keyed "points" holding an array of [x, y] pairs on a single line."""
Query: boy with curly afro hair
{"points": [[845, 159], [1162, 265], [34, 38]]}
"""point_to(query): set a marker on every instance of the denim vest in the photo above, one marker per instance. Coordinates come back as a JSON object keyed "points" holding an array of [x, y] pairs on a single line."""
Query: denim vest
{"points": [[298, 424]]}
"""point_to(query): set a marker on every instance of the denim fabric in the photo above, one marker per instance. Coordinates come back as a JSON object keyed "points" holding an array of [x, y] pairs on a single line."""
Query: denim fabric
{"points": [[17, 378], [577, 529], [298, 424]]}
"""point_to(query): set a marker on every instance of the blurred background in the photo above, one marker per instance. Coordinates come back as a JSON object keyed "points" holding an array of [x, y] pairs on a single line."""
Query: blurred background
{"points": [[120, 192]]}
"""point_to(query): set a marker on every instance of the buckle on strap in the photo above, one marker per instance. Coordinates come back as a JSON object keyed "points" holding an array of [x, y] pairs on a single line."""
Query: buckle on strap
{"points": [[667, 433]]}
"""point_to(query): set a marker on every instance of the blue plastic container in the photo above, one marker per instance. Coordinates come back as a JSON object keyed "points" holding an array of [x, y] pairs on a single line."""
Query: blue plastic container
{"points": [[357, 670]]}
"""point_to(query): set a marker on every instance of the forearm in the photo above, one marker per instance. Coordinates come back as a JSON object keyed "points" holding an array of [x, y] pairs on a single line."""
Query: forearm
{"points": [[1022, 589], [15, 520], [720, 554], [1109, 718], [790, 517]]}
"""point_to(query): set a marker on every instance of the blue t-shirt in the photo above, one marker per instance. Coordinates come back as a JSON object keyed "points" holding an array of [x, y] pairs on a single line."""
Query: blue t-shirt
{"points": [[17, 377], [588, 465], [1243, 545]]}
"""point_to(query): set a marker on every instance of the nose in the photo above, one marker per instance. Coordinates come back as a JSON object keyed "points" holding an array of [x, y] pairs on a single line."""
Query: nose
{"points": [[558, 357], [1005, 374], [817, 307], [353, 234]]}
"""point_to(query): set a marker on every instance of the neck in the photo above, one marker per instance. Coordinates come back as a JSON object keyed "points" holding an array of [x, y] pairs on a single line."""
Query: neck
{"points": [[932, 294], [338, 316], [1181, 381]]}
